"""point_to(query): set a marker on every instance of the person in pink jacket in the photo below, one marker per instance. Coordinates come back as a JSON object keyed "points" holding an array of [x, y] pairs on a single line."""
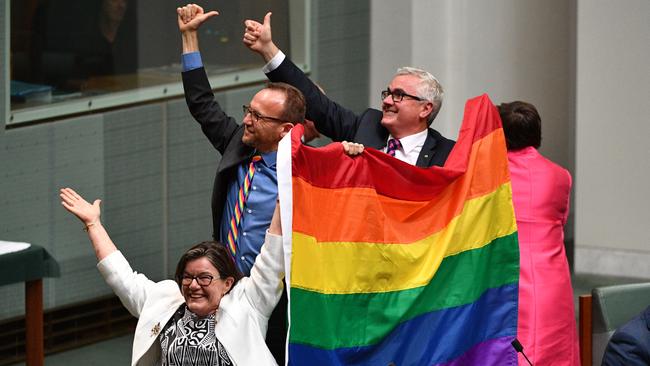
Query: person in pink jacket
{"points": [[540, 194]]}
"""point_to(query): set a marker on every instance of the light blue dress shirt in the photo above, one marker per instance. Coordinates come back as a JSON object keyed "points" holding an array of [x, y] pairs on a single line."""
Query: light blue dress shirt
{"points": [[191, 61], [258, 209], [260, 205]]}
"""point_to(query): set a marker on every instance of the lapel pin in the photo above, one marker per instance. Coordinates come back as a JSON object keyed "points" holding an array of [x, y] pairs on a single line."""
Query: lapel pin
{"points": [[155, 330]]}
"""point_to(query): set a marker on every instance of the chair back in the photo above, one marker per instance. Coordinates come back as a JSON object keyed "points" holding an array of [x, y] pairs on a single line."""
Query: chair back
{"points": [[613, 306]]}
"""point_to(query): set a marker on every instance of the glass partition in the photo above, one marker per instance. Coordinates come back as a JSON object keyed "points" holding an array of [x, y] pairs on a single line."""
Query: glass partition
{"points": [[71, 56]]}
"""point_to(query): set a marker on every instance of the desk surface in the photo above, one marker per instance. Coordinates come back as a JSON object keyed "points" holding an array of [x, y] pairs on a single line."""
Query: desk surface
{"points": [[27, 265]]}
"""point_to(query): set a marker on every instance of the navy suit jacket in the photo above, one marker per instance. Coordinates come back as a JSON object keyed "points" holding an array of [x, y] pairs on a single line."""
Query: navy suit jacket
{"points": [[223, 132], [341, 124], [630, 344]]}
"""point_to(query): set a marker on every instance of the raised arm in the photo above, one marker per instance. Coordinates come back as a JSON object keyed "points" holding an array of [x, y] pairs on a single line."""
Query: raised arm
{"points": [[131, 287], [89, 215], [276, 228], [190, 19], [330, 118], [259, 39], [217, 126], [264, 287]]}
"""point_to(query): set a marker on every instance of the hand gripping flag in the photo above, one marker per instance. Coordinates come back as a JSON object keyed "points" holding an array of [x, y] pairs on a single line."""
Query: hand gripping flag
{"points": [[394, 264]]}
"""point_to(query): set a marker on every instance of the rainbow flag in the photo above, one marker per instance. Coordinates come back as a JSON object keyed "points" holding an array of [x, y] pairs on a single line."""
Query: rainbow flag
{"points": [[391, 264]]}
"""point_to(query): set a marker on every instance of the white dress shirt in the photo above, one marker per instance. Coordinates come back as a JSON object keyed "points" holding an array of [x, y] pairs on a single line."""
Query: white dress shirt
{"points": [[274, 62], [411, 147]]}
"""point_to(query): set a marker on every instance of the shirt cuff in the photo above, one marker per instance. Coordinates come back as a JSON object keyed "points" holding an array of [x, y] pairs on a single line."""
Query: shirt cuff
{"points": [[274, 63], [191, 61]]}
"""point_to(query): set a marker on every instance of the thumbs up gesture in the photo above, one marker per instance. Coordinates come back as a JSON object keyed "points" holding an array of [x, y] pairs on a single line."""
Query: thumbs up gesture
{"points": [[191, 16], [258, 38]]}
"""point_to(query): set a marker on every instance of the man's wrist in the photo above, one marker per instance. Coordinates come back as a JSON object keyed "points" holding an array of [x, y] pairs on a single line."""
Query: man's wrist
{"points": [[274, 62], [191, 61], [190, 41], [269, 52]]}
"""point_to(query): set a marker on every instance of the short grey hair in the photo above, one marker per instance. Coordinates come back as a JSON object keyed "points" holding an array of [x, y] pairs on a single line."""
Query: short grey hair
{"points": [[429, 88]]}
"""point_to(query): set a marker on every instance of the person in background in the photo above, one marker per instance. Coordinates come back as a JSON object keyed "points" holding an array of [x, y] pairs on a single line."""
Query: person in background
{"points": [[79, 45], [540, 194], [110, 18], [209, 315], [630, 344], [311, 133], [402, 129]]}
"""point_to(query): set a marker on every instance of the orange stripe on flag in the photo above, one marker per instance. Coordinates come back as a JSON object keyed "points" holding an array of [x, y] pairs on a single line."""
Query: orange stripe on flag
{"points": [[317, 210]]}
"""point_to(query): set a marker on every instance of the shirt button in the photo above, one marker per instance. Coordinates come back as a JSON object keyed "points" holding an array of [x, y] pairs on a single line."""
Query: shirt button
{"points": [[255, 188], [242, 258], [249, 211], [245, 233], [258, 169]]}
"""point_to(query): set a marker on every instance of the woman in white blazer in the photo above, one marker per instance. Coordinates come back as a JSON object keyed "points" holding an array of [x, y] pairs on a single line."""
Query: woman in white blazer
{"points": [[208, 316]]}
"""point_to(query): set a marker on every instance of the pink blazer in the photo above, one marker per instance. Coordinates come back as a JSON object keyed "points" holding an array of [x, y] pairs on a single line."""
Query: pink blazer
{"points": [[540, 193]]}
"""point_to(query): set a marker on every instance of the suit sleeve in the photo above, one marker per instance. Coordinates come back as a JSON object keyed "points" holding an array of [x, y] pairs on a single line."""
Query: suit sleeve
{"points": [[264, 288], [218, 127], [331, 119], [130, 286], [625, 348]]}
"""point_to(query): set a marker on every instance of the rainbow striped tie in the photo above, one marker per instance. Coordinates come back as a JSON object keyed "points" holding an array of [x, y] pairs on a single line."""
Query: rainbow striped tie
{"points": [[235, 219]]}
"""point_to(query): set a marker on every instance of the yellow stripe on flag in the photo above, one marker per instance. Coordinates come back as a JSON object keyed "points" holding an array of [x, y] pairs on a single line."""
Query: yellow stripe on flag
{"points": [[357, 267]]}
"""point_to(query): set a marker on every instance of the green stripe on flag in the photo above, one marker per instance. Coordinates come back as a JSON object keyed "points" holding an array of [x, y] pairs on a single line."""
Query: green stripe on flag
{"points": [[352, 320]]}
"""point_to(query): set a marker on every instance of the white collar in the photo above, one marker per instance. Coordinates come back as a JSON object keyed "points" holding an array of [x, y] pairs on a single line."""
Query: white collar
{"points": [[412, 142]]}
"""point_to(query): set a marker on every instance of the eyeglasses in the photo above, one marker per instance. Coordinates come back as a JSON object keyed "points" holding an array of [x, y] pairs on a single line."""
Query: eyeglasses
{"points": [[256, 116], [397, 95], [203, 280]]}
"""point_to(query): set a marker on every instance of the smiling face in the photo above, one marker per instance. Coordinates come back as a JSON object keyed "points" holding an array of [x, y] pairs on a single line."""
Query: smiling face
{"points": [[408, 116], [264, 134], [204, 300]]}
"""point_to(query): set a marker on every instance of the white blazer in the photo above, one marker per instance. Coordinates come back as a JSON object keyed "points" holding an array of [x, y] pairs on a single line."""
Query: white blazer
{"points": [[241, 320]]}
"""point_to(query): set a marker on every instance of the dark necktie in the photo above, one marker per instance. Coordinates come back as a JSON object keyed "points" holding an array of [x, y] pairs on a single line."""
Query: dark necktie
{"points": [[393, 145]]}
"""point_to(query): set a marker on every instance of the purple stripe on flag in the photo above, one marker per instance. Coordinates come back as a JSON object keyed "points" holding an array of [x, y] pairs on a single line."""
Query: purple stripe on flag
{"points": [[486, 353]]}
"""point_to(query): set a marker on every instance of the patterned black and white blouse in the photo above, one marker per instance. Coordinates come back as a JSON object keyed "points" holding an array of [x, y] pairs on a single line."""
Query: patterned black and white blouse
{"points": [[187, 340]]}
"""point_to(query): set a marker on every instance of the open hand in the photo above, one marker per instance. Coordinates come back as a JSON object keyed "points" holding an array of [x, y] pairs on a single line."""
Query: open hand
{"points": [[73, 202], [191, 16]]}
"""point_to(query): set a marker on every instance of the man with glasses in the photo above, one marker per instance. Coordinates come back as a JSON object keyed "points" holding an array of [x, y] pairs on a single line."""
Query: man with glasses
{"points": [[241, 215], [401, 129], [245, 186]]}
